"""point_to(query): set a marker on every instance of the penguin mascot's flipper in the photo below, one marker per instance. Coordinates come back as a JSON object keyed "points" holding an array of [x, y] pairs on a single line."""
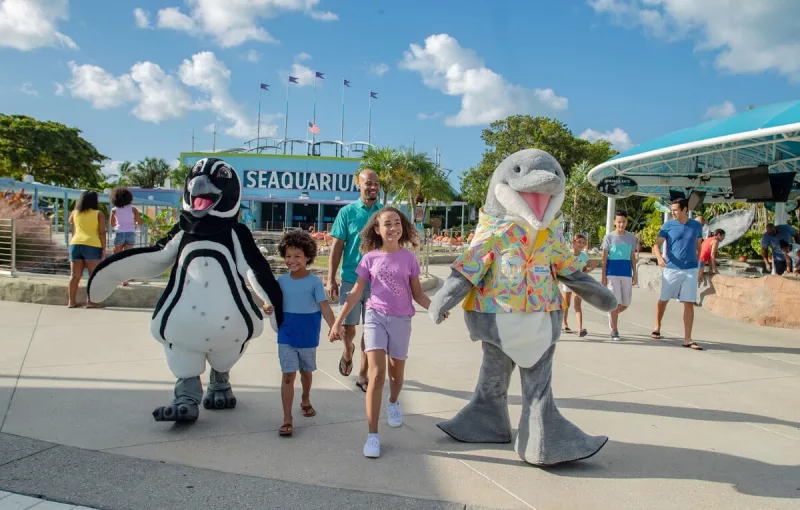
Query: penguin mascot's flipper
{"points": [[135, 263], [254, 268]]}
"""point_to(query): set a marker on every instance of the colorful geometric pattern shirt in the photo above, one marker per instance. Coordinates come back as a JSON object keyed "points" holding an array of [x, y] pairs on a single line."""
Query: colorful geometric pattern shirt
{"points": [[512, 266]]}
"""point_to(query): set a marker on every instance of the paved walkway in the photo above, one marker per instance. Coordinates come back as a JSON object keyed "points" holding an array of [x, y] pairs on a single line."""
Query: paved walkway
{"points": [[712, 429]]}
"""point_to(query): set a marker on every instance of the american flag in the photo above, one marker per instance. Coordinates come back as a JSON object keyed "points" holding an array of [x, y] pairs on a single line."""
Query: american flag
{"points": [[313, 128]]}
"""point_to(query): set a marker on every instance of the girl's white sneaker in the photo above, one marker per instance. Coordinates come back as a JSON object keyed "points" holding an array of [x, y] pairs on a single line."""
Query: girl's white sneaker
{"points": [[372, 448], [394, 414]]}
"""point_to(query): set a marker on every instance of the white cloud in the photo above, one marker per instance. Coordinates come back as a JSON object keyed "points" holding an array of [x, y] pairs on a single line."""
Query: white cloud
{"points": [[209, 74], [725, 109], [324, 15], [379, 69], [253, 56], [485, 95], [748, 37], [233, 22], [30, 24], [158, 96], [173, 18], [59, 89], [619, 139], [304, 74], [27, 88], [111, 168], [426, 116], [142, 18]]}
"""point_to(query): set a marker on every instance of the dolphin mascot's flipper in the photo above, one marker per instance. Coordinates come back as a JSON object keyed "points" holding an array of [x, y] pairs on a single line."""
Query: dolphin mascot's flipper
{"points": [[206, 313], [515, 310]]}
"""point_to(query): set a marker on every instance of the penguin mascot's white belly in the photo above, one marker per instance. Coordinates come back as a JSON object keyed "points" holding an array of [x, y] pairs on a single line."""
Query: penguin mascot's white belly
{"points": [[208, 308]]}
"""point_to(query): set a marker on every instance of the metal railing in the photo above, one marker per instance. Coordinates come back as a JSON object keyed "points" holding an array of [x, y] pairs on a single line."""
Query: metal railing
{"points": [[33, 246]]}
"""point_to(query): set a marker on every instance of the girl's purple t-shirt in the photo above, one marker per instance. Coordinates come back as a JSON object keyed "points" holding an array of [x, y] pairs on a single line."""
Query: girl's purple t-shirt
{"points": [[389, 276]]}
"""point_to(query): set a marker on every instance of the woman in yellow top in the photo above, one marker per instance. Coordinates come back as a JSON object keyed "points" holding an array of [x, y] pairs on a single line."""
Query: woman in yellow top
{"points": [[88, 243]]}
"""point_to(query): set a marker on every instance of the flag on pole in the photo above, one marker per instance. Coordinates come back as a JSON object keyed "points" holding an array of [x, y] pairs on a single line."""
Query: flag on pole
{"points": [[319, 75], [346, 83], [292, 79], [265, 86], [313, 128], [373, 95]]}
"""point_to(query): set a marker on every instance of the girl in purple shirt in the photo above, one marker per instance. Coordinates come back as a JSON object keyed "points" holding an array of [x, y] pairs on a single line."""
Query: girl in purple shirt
{"points": [[392, 272]]}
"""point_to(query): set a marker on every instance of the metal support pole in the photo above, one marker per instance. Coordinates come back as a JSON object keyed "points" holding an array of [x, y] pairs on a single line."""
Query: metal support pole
{"points": [[610, 210], [462, 221], [781, 217], [13, 246], [55, 220], [66, 219]]}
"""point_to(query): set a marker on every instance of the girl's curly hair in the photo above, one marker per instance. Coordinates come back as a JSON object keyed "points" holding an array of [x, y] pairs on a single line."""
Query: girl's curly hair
{"points": [[371, 240], [120, 197], [300, 240]]}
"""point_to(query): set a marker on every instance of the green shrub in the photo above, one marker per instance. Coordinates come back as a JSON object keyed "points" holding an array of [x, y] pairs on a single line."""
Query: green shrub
{"points": [[748, 245]]}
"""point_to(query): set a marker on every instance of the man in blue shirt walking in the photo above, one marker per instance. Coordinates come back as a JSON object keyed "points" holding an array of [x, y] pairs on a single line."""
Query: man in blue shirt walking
{"points": [[679, 280]]}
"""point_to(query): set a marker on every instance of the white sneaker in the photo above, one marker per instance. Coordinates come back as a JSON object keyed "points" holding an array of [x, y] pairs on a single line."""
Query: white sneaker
{"points": [[372, 448], [394, 414]]}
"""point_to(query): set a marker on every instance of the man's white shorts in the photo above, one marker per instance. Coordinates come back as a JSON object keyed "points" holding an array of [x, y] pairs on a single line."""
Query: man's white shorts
{"points": [[680, 284], [622, 287]]}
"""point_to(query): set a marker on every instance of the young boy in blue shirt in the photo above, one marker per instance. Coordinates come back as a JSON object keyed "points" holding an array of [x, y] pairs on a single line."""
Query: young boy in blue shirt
{"points": [[305, 303]]}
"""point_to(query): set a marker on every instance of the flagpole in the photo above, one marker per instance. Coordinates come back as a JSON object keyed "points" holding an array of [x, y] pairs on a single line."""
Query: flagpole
{"points": [[314, 112], [258, 129], [343, 113], [286, 117], [369, 123]]}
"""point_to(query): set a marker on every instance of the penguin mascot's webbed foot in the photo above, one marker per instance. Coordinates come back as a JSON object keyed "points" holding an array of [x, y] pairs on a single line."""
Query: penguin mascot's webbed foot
{"points": [[219, 394], [507, 281], [206, 314]]}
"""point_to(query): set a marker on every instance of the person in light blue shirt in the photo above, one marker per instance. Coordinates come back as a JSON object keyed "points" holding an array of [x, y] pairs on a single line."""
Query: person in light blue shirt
{"points": [[683, 237], [305, 303], [771, 240]]}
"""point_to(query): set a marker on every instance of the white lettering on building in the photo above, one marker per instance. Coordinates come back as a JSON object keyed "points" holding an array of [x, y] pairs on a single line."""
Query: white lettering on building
{"points": [[309, 181]]}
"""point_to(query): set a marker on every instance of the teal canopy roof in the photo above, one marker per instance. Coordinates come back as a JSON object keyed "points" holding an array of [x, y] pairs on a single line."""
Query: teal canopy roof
{"points": [[701, 156], [161, 198]]}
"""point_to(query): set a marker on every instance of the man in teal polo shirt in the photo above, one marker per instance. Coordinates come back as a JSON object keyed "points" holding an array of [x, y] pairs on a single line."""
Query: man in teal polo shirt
{"points": [[351, 219]]}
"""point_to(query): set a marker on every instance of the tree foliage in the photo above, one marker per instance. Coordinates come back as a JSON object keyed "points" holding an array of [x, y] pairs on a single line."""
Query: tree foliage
{"points": [[53, 153], [584, 208], [518, 132], [148, 173], [177, 176]]}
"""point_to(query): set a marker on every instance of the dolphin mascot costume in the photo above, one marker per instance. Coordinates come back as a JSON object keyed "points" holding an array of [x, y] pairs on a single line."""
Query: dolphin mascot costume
{"points": [[506, 280], [206, 312]]}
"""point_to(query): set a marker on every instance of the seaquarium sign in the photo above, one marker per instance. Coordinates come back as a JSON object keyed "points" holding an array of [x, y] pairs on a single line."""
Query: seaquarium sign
{"points": [[306, 181]]}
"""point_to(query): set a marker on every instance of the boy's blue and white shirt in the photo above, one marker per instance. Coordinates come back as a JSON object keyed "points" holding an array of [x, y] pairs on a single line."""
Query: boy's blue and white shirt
{"points": [[302, 318], [619, 249]]}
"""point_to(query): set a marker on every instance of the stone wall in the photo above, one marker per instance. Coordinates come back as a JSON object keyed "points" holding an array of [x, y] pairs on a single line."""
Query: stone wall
{"points": [[767, 301], [53, 291]]}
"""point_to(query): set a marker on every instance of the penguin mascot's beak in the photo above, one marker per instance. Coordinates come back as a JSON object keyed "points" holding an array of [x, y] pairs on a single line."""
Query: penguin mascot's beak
{"points": [[204, 195]]}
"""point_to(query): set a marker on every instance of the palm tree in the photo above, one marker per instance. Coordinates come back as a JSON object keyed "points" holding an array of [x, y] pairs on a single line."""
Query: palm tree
{"points": [[149, 173], [385, 161], [124, 171], [420, 181]]}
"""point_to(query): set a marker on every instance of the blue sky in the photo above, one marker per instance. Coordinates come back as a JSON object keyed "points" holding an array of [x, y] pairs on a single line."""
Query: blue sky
{"points": [[627, 70]]}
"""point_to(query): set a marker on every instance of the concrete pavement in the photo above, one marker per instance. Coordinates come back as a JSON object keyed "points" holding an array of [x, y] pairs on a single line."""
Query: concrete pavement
{"points": [[713, 429]]}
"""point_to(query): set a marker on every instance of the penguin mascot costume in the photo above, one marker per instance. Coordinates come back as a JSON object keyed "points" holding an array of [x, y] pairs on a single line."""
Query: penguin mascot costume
{"points": [[507, 281], [206, 312]]}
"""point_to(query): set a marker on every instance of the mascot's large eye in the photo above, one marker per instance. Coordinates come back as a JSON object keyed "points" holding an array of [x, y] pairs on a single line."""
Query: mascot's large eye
{"points": [[224, 173], [517, 169]]}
